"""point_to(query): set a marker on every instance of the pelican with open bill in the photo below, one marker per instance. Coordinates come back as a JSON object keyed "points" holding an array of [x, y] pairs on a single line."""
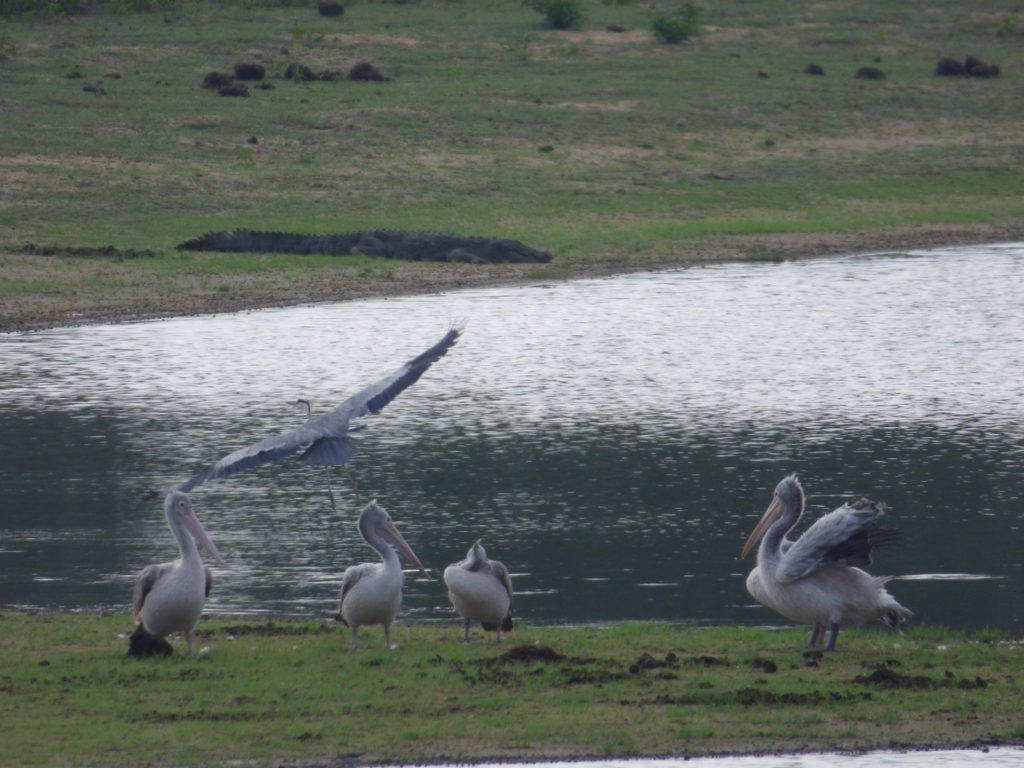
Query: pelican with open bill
{"points": [[815, 579]]}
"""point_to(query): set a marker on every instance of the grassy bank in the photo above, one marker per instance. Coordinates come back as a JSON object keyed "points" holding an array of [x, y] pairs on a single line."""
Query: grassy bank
{"points": [[610, 149], [289, 691]]}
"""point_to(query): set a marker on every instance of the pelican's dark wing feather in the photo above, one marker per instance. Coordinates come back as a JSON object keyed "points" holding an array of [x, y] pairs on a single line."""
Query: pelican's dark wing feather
{"points": [[325, 437], [842, 535], [144, 583]]}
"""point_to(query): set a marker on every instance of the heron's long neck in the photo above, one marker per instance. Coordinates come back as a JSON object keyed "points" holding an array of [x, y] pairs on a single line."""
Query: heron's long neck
{"points": [[771, 545]]}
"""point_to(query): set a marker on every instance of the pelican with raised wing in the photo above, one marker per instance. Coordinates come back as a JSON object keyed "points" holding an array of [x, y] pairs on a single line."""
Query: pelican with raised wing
{"points": [[326, 437], [814, 580], [371, 593], [169, 597], [481, 590]]}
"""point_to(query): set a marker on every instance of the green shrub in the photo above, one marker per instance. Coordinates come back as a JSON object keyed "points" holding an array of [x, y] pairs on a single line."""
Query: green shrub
{"points": [[678, 25], [561, 14]]}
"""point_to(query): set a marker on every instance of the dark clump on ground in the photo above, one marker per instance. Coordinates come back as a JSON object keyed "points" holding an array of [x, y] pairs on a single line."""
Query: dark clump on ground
{"points": [[971, 67], [364, 70], [767, 665], [531, 653], [249, 71], [948, 67], [884, 677], [978, 68], [217, 80], [330, 8], [813, 69], [392, 244], [235, 89], [142, 645], [870, 73], [296, 71]]}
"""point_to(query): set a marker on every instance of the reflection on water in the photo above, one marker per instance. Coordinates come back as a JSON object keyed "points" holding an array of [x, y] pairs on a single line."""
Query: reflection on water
{"points": [[996, 757], [613, 441]]}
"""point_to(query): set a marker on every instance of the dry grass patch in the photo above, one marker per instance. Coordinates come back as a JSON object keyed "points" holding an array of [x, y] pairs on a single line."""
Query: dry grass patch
{"points": [[368, 39]]}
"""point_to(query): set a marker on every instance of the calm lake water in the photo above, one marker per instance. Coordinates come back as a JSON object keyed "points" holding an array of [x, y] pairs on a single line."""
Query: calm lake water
{"points": [[612, 440]]}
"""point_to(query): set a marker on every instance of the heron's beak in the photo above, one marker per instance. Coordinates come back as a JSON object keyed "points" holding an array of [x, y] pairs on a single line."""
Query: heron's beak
{"points": [[773, 513], [201, 536], [399, 542]]}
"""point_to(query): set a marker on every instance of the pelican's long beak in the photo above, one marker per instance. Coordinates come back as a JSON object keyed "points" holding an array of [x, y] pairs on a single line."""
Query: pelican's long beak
{"points": [[773, 513], [399, 542], [201, 536]]}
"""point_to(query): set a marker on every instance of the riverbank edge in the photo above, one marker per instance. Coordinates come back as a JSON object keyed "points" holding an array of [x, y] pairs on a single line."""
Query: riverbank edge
{"points": [[249, 636], [21, 313]]}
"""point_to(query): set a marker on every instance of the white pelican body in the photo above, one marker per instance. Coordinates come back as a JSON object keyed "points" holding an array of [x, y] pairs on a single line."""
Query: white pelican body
{"points": [[481, 590], [169, 597], [814, 580], [371, 593]]}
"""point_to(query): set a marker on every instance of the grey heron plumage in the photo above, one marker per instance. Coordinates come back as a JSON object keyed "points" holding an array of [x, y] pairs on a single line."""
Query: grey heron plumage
{"points": [[816, 579], [326, 437]]}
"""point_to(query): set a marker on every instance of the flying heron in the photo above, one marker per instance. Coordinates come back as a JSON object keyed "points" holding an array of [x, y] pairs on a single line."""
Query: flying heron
{"points": [[326, 437]]}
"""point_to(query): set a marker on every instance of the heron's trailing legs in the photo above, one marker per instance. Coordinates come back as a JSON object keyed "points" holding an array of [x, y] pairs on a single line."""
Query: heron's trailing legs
{"points": [[330, 491]]}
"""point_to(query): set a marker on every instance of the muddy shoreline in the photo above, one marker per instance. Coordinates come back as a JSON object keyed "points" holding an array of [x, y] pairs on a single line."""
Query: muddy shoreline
{"points": [[148, 297]]}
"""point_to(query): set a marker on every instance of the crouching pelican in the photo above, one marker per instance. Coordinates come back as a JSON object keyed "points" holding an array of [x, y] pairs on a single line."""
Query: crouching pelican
{"points": [[169, 597], [814, 579], [371, 593], [481, 590]]}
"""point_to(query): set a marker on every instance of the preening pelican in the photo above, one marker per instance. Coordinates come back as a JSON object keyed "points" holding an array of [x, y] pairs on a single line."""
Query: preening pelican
{"points": [[481, 590], [814, 579], [371, 593], [169, 597], [326, 437]]}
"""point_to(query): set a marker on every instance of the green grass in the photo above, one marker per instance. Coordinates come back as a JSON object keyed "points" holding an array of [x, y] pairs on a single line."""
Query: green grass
{"points": [[661, 153], [293, 691]]}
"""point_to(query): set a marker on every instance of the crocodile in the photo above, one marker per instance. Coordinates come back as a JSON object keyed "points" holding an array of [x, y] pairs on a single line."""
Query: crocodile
{"points": [[392, 244]]}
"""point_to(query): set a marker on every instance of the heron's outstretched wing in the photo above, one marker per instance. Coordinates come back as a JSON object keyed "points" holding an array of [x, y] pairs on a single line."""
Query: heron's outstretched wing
{"points": [[325, 437], [380, 393], [843, 535], [144, 583]]}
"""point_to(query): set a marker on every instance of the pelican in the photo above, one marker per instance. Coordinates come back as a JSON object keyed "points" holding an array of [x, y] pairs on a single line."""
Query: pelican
{"points": [[326, 437], [169, 597], [481, 590], [371, 593], [814, 579]]}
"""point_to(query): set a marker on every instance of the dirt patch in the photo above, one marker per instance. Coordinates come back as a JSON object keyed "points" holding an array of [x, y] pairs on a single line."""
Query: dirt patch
{"points": [[531, 653], [388, 41], [269, 629], [105, 252]]}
